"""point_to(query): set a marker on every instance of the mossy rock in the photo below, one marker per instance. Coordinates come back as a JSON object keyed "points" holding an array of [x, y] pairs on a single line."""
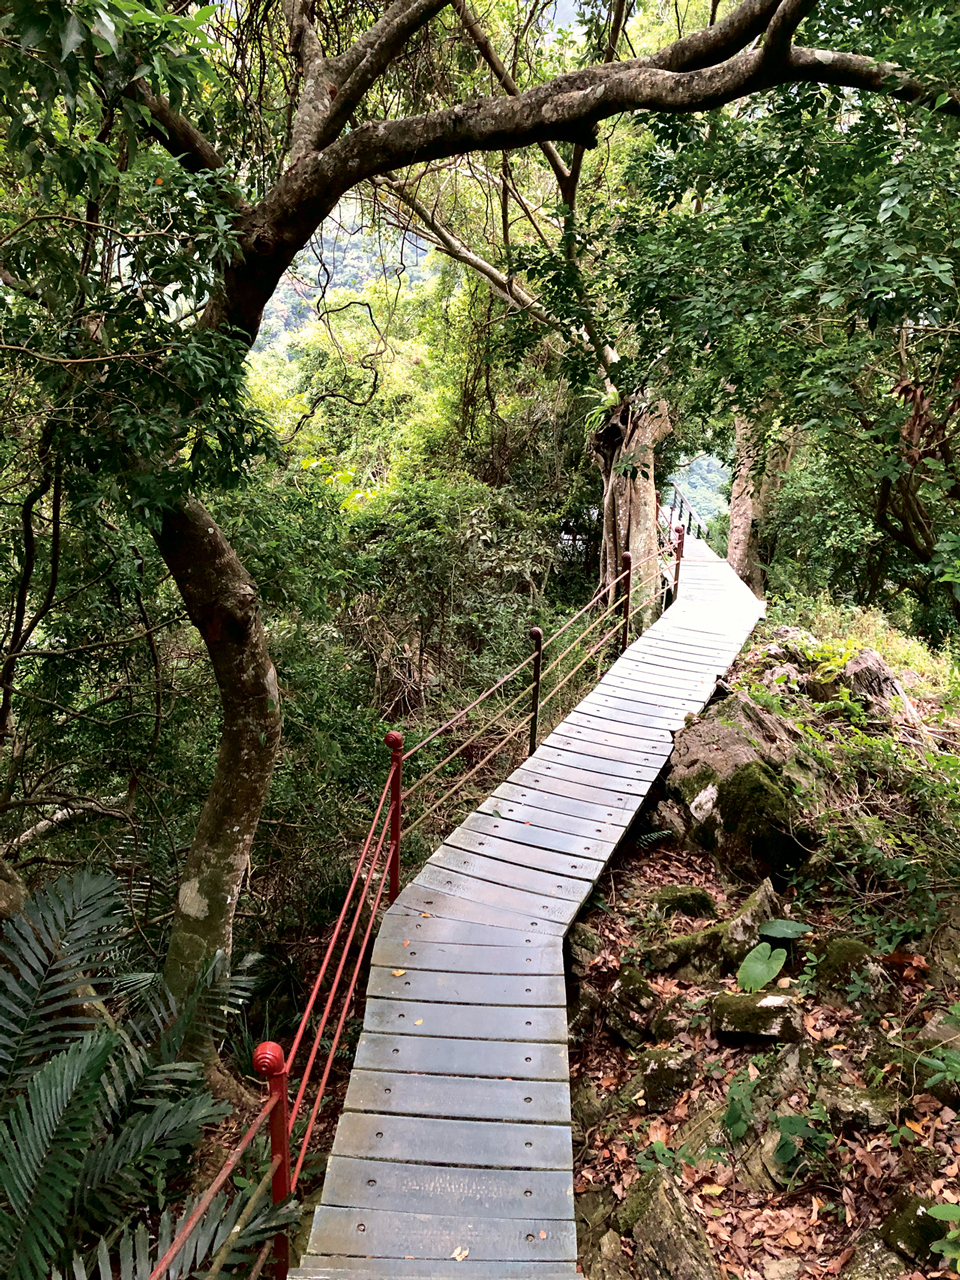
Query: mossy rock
{"points": [[756, 811], [762, 1016], [584, 944], [660, 1077], [852, 1108], [843, 961], [720, 948], [671, 1244], [593, 1211], [685, 900], [910, 1230], [628, 1005], [873, 1260]]}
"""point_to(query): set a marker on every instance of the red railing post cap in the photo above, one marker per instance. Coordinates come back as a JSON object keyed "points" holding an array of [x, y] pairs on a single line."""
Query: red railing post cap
{"points": [[393, 740], [268, 1059]]}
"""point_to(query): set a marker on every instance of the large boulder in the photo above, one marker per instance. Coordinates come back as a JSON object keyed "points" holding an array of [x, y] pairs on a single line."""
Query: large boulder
{"points": [[736, 773]]}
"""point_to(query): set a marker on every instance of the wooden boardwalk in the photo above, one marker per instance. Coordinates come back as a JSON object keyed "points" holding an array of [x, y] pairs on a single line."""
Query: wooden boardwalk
{"points": [[453, 1158]]}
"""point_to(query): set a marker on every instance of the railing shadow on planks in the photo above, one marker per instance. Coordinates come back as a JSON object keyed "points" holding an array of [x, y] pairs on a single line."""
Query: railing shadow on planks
{"points": [[377, 874]]}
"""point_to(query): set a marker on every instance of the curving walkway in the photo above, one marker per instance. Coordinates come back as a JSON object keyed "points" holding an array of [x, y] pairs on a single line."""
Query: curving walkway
{"points": [[453, 1159]]}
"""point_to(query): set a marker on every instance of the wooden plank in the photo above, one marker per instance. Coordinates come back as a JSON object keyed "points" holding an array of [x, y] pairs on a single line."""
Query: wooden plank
{"points": [[524, 855], [515, 874], [561, 806], [665, 696], [622, 771], [466, 1021], [445, 1189], [689, 659], [516, 1059], [483, 892], [541, 818], [581, 739], [423, 1140], [458, 1097], [585, 733], [403, 927], [426, 901], [658, 683], [653, 738], [420, 1269], [644, 711], [664, 659], [451, 957], [467, 988], [366, 1232], [597, 845], [572, 779]]}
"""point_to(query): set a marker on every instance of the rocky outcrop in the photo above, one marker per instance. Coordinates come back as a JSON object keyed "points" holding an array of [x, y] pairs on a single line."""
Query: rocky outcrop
{"points": [[739, 1016], [720, 948], [735, 774], [670, 1242]]}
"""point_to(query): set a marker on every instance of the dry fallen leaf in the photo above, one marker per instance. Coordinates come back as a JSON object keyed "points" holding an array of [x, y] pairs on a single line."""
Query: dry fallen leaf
{"points": [[418, 1023], [398, 973], [543, 1235], [459, 1253]]}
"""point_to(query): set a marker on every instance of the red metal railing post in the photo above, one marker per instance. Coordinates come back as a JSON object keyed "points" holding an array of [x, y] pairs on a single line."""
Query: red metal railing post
{"points": [[268, 1060], [394, 741], [536, 635], [627, 590], [676, 571]]}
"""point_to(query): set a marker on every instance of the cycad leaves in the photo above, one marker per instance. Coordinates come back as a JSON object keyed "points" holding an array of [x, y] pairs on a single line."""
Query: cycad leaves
{"points": [[45, 953], [43, 1141]]}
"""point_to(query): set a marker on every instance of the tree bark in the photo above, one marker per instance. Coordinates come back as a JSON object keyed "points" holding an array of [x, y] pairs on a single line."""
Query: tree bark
{"points": [[624, 450], [221, 600], [759, 471]]}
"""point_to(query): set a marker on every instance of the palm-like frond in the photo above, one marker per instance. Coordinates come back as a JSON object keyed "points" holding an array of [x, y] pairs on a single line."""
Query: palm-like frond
{"points": [[48, 956], [43, 1141], [133, 1259]]}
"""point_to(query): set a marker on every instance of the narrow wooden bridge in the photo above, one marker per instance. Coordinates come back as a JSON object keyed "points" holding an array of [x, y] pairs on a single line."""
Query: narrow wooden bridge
{"points": [[453, 1157]]}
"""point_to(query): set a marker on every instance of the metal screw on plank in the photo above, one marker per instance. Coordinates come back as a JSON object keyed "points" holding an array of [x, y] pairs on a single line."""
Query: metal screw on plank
{"points": [[536, 635], [628, 588], [269, 1061], [394, 741]]}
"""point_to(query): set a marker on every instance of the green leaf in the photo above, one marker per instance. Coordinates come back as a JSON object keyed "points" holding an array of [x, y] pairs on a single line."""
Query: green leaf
{"points": [[784, 928], [72, 38], [760, 967], [945, 1212]]}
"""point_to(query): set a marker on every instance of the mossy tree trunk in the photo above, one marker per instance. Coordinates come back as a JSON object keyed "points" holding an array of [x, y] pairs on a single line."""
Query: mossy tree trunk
{"points": [[221, 600]]}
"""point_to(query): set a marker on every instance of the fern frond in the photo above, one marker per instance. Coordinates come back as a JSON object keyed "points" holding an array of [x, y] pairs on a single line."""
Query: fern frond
{"points": [[132, 1259], [118, 1174], [42, 1144], [48, 954]]}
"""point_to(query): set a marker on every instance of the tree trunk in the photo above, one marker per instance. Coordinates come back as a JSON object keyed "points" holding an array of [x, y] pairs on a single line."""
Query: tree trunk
{"points": [[759, 471], [221, 600], [624, 451]]}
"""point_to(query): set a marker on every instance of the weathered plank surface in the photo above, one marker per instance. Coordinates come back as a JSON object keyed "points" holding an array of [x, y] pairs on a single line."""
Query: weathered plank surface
{"points": [[453, 1158]]}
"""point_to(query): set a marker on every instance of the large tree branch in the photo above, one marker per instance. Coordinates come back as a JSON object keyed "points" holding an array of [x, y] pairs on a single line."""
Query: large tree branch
{"points": [[334, 87], [491, 57], [561, 108]]}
